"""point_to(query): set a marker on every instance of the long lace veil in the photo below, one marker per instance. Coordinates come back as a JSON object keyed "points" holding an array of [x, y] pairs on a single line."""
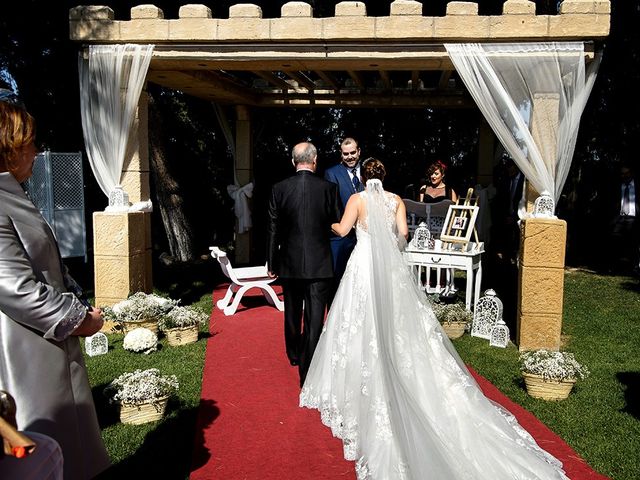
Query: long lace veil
{"points": [[396, 335]]}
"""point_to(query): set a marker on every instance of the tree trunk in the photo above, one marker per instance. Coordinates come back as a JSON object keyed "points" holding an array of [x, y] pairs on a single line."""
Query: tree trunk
{"points": [[168, 197]]}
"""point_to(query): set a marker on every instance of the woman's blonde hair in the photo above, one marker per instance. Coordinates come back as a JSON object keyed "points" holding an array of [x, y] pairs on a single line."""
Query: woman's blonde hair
{"points": [[17, 130], [373, 168]]}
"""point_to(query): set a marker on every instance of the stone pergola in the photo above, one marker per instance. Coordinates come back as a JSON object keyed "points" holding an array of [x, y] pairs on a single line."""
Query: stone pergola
{"points": [[348, 60]]}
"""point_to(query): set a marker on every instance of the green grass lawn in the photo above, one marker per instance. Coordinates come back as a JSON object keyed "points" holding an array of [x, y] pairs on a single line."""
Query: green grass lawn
{"points": [[600, 419]]}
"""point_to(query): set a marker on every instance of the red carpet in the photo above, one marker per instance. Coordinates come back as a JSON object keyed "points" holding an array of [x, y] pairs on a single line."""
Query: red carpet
{"points": [[250, 426]]}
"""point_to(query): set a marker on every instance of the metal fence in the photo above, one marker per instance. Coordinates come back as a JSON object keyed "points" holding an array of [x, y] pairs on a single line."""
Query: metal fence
{"points": [[56, 188]]}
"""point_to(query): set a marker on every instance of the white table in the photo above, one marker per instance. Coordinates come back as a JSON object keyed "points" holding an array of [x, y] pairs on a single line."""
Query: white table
{"points": [[469, 261]]}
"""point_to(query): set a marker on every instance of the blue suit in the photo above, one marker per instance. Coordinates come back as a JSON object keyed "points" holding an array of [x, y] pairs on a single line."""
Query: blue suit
{"points": [[341, 247]]}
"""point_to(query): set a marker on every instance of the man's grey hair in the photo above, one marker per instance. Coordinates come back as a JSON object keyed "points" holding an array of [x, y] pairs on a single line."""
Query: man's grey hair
{"points": [[304, 153]]}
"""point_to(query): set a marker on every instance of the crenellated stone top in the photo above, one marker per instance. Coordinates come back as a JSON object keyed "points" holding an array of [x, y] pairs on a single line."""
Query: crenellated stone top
{"points": [[576, 20]]}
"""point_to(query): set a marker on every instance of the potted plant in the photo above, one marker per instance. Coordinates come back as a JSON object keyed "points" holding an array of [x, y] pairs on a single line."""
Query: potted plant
{"points": [[550, 375], [140, 310], [181, 324], [142, 395], [453, 317]]}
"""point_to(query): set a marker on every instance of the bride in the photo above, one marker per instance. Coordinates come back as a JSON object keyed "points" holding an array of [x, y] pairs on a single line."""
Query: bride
{"points": [[388, 381]]}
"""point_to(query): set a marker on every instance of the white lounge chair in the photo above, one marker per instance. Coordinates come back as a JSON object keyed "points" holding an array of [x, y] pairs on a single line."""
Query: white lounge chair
{"points": [[243, 279]]}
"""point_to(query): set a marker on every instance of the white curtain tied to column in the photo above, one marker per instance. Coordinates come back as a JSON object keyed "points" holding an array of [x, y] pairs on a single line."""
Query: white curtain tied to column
{"points": [[240, 195], [507, 82], [111, 79]]}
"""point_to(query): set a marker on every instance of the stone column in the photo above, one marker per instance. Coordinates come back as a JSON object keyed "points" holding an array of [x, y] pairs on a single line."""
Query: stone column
{"points": [[541, 283], [542, 249], [244, 173], [122, 255], [122, 240]]}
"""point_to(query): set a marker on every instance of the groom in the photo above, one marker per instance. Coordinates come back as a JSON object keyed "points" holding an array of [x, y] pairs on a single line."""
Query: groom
{"points": [[347, 176], [301, 211]]}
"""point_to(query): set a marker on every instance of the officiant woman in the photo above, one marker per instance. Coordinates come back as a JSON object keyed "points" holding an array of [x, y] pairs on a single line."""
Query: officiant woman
{"points": [[41, 362]]}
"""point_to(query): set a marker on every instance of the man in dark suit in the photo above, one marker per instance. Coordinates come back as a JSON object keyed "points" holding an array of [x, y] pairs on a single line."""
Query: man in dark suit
{"points": [[623, 210], [301, 211], [506, 231], [346, 175]]}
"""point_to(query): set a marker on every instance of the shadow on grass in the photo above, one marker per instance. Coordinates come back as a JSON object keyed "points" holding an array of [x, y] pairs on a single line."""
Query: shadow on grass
{"points": [[188, 281], [171, 450], [631, 380]]}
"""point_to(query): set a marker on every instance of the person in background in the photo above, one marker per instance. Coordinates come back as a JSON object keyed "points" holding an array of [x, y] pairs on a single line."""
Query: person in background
{"points": [[301, 211], [506, 234], [347, 176], [436, 190], [624, 208], [41, 362]]}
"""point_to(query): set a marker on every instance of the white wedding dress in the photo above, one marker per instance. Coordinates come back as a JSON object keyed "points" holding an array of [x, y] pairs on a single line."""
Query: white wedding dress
{"points": [[389, 383]]}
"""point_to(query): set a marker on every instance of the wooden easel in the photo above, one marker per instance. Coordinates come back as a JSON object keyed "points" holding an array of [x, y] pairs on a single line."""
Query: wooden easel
{"points": [[451, 236]]}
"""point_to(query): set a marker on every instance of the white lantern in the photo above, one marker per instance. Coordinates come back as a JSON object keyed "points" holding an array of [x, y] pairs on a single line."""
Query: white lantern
{"points": [[499, 335], [421, 238], [96, 344], [486, 314], [118, 200], [544, 206]]}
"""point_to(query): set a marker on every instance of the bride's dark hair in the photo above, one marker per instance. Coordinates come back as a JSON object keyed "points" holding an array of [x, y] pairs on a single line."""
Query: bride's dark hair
{"points": [[373, 168]]}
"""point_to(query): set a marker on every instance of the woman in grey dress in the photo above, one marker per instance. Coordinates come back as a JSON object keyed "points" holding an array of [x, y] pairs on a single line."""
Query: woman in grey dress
{"points": [[41, 363]]}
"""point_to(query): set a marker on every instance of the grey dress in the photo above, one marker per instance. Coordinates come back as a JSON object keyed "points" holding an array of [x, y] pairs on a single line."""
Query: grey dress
{"points": [[40, 364]]}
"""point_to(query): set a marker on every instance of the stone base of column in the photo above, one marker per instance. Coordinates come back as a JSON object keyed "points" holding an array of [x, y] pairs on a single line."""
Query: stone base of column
{"points": [[536, 331], [122, 255], [541, 283]]}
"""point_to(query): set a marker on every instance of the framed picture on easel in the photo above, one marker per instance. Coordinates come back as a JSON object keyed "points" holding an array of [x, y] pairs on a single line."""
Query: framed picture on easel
{"points": [[459, 223]]}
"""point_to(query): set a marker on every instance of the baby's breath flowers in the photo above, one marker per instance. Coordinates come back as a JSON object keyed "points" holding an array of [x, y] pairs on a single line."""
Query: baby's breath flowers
{"points": [[180, 317], [552, 365], [141, 386], [139, 307], [454, 312]]}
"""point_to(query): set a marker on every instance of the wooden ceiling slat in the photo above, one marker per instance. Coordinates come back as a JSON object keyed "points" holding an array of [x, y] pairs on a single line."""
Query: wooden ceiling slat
{"points": [[273, 79], [302, 80], [328, 79], [357, 78]]}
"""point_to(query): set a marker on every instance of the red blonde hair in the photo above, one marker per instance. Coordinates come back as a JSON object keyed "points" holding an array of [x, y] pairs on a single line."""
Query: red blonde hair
{"points": [[437, 165]]}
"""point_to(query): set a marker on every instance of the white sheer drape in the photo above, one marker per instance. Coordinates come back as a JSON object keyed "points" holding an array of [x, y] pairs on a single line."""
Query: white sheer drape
{"points": [[240, 194], [111, 79], [509, 81]]}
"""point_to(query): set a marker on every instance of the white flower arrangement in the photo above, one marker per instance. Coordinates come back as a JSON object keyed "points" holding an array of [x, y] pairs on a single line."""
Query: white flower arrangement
{"points": [[451, 312], [140, 340], [552, 365], [139, 307], [180, 317], [141, 386]]}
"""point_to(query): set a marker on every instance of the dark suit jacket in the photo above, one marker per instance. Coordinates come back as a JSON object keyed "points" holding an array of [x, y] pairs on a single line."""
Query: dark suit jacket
{"points": [[339, 175], [301, 211], [341, 247]]}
